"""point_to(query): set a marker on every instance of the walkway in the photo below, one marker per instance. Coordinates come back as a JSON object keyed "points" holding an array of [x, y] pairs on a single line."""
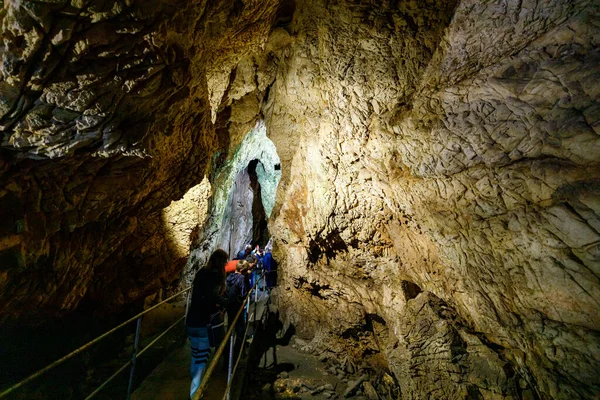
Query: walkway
{"points": [[171, 379]]}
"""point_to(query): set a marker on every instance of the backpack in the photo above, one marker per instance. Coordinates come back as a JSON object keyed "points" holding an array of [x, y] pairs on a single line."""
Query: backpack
{"points": [[235, 288]]}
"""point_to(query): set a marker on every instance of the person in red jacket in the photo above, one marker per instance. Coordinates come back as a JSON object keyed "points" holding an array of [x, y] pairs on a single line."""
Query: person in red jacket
{"points": [[230, 266], [236, 289]]}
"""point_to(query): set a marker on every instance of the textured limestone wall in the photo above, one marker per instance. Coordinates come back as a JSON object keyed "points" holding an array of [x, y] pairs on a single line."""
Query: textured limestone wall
{"points": [[235, 228], [105, 114], [454, 146], [439, 172], [185, 217]]}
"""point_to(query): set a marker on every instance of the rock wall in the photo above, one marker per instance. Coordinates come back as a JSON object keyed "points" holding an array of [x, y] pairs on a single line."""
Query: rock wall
{"points": [[453, 146], [105, 114], [230, 220], [438, 172], [236, 226], [185, 218], [244, 214]]}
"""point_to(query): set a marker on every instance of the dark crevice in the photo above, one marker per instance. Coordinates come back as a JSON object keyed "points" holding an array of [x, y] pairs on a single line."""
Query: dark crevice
{"points": [[473, 393], [410, 290], [312, 288], [260, 229], [376, 318], [329, 246], [354, 332], [266, 95], [285, 15]]}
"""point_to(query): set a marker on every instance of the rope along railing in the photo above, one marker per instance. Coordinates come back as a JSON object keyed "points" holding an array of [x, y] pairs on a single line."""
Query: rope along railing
{"points": [[131, 363], [230, 336]]}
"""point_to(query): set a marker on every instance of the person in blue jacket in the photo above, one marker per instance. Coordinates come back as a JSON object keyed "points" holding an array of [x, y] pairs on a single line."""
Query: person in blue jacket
{"points": [[242, 254], [269, 267]]}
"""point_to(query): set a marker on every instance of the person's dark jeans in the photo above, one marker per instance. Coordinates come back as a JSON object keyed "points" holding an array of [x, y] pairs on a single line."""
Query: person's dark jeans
{"points": [[201, 352]]}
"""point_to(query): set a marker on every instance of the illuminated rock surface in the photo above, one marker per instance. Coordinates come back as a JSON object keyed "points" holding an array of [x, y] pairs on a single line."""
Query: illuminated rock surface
{"points": [[439, 190], [105, 121]]}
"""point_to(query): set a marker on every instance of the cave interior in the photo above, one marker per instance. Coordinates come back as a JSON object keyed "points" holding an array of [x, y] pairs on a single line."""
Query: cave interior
{"points": [[428, 171]]}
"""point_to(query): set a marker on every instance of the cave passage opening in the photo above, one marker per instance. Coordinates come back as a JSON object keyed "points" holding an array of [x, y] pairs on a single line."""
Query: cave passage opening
{"points": [[245, 220], [247, 187], [260, 228]]}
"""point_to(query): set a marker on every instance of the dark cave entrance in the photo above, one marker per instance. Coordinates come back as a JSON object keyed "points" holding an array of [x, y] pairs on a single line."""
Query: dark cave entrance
{"points": [[260, 229]]}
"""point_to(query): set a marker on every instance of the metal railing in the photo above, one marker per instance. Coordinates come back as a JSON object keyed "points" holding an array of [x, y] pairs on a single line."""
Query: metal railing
{"points": [[131, 363], [230, 335]]}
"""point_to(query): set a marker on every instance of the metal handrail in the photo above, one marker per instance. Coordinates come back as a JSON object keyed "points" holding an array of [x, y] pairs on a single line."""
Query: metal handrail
{"points": [[86, 346], [239, 356], [209, 370], [213, 363], [128, 363]]}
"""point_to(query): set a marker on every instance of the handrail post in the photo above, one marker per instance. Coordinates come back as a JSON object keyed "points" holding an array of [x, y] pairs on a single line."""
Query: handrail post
{"points": [[254, 319], [255, 304], [230, 366], [247, 310], [133, 356], [187, 304]]}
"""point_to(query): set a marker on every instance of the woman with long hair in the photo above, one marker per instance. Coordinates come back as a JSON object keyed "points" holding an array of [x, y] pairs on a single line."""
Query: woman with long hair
{"points": [[205, 313]]}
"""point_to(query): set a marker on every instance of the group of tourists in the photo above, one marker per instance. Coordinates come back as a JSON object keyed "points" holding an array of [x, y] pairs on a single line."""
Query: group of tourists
{"points": [[222, 285]]}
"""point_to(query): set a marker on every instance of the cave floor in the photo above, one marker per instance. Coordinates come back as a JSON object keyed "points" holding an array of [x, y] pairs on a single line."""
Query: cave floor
{"points": [[277, 368], [286, 372], [295, 374], [171, 380]]}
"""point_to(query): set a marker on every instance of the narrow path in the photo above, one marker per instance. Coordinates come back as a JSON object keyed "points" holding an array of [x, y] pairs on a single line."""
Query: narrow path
{"points": [[171, 380], [295, 375]]}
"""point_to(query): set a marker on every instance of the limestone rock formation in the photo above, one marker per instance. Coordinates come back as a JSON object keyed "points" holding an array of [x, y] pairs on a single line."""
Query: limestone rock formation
{"points": [[438, 172], [105, 119], [453, 146], [230, 220], [184, 218]]}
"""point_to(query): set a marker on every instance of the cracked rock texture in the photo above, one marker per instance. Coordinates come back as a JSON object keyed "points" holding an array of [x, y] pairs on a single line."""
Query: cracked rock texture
{"points": [[105, 119], [453, 146], [439, 181]]}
